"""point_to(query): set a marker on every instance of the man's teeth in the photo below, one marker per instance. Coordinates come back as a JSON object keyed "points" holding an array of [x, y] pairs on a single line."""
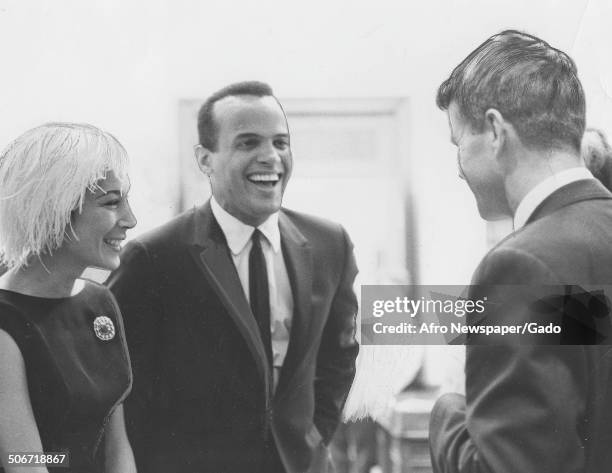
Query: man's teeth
{"points": [[264, 177]]}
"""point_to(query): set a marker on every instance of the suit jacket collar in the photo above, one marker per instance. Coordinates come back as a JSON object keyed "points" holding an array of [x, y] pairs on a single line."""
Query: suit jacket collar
{"points": [[545, 188], [205, 228], [569, 194], [587, 189], [211, 253]]}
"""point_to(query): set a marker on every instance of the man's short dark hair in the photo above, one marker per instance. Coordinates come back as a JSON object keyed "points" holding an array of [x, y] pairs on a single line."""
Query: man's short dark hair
{"points": [[533, 85], [207, 128]]}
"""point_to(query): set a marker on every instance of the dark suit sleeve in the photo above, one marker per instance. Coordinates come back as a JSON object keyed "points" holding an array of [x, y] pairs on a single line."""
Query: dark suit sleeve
{"points": [[336, 358], [136, 290], [524, 403]]}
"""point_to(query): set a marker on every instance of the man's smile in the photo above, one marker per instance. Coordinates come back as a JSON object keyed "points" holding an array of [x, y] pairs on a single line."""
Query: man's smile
{"points": [[266, 179]]}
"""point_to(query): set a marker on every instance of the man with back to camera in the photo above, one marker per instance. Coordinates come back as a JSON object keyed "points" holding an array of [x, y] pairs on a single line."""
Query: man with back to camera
{"points": [[516, 112], [239, 314]]}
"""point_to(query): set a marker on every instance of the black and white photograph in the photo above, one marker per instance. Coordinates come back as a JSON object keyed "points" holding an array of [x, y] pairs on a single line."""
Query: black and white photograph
{"points": [[305, 237]]}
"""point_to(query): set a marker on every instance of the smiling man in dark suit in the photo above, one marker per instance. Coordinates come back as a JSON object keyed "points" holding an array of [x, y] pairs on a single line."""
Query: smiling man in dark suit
{"points": [[516, 111], [240, 314]]}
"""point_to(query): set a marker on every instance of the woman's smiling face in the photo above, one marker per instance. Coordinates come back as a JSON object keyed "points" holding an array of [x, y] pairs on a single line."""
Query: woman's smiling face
{"points": [[100, 227]]}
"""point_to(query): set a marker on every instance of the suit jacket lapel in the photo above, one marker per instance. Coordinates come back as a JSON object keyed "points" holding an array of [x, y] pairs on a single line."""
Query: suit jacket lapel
{"points": [[211, 254], [298, 259]]}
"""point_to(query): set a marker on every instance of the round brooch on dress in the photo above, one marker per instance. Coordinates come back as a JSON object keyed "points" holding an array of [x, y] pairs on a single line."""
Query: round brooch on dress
{"points": [[104, 328]]}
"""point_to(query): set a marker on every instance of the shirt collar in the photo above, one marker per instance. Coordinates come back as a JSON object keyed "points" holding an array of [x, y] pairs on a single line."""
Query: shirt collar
{"points": [[540, 192], [238, 233]]}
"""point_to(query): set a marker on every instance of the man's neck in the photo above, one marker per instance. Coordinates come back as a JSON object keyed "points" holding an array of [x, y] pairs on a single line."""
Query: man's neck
{"points": [[533, 168]]}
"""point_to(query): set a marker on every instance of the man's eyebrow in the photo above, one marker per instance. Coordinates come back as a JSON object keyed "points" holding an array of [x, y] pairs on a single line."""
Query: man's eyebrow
{"points": [[257, 135], [246, 135]]}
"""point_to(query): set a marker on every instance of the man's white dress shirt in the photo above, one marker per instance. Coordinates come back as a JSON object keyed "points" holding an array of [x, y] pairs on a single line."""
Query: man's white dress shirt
{"points": [[238, 236]]}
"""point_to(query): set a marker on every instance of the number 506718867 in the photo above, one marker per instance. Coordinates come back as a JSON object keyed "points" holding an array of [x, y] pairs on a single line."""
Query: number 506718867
{"points": [[57, 459]]}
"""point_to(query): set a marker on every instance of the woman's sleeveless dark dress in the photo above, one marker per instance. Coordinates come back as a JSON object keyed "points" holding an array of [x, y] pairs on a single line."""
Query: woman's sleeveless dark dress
{"points": [[78, 370]]}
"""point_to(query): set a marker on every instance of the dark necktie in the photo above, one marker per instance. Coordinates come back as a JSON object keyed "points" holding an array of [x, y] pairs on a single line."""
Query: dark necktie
{"points": [[258, 291]]}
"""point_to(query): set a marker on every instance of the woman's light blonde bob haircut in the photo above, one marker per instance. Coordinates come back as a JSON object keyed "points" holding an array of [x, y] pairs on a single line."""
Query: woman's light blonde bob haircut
{"points": [[44, 175]]}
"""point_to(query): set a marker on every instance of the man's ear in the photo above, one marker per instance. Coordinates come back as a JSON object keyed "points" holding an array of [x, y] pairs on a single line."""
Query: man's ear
{"points": [[494, 121], [497, 126], [203, 158]]}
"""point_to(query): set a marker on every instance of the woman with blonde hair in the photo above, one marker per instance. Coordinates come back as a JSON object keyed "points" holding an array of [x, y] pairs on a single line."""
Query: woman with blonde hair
{"points": [[64, 364]]}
